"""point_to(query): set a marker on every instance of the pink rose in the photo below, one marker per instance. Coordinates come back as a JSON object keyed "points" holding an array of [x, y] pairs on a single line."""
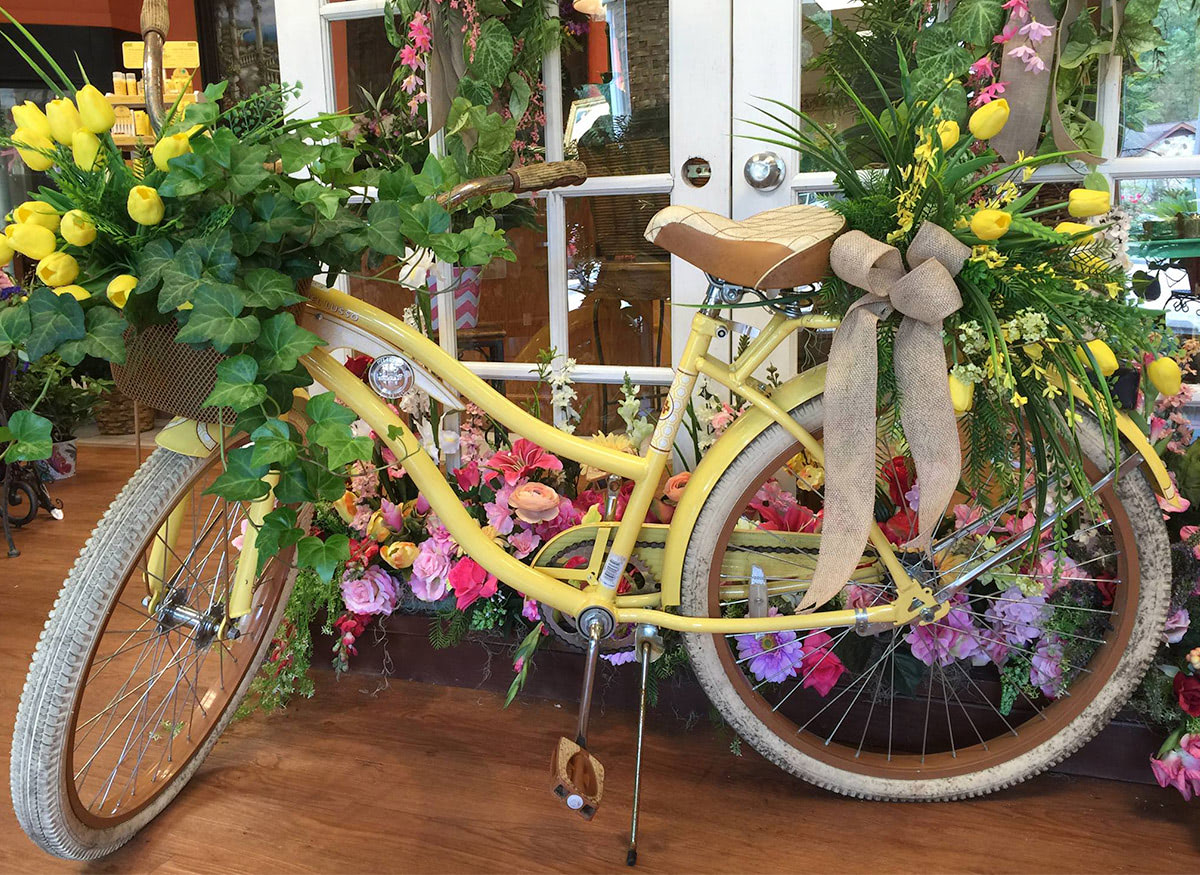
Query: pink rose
{"points": [[534, 502], [1176, 627], [820, 667], [429, 571], [373, 593], [471, 582], [1180, 768]]}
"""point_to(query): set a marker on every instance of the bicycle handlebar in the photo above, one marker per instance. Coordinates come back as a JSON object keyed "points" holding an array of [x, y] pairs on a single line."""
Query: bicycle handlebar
{"points": [[156, 21], [531, 177]]}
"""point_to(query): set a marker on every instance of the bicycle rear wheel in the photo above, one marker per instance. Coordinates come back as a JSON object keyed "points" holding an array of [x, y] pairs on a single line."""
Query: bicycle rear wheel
{"points": [[1028, 665], [122, 704]]}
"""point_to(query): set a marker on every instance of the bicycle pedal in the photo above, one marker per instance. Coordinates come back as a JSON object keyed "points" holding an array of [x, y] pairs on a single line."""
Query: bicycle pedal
{"points": [[578, 778]]}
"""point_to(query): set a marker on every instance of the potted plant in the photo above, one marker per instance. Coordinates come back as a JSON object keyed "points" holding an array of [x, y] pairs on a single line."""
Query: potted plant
{"points": [[67, 399]]}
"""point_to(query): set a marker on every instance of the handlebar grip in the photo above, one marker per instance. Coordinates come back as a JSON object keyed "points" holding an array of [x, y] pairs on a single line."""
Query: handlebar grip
{"points": [[156, 17], [556, 174]]}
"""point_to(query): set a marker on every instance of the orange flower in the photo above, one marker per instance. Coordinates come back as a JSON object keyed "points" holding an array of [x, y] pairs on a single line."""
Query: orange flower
{"points": [[399, 554], [346, 506], [675, 485], [534, 502], [377, 529]]}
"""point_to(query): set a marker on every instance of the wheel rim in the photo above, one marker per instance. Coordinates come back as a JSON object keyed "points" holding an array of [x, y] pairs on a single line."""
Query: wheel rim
{"points": [[154, 687], [850, 733]]}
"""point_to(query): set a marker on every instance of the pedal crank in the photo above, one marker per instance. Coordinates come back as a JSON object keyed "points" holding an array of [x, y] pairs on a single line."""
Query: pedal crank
{"points": [[578, 777]]}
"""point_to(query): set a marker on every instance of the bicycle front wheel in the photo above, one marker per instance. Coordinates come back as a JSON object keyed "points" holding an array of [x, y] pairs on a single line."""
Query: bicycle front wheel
{"points": [[122, 703], [1032, 660]]}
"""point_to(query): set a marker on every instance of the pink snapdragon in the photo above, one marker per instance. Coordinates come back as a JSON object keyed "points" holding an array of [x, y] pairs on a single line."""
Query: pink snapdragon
{"points": [[989, 93], [984, 68]]}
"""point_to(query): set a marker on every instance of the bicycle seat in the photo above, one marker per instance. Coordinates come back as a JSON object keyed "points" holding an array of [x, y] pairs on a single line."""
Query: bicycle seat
{"points": [[776, 249]]}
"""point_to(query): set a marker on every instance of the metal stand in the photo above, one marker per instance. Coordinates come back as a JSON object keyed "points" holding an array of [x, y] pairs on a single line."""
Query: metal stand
{"points": [[644, 657]]}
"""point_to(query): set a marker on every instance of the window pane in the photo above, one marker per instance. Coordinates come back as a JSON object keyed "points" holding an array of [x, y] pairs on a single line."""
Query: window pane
{"points": [[615, 88], [362, 60], [1160, 99], [1165, 242]]}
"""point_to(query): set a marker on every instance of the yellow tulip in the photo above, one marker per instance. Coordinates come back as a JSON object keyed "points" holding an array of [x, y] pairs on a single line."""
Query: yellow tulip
{"points": [[58, 269], [6, 251], [144, 205], [36, 146], [1084, 202], [948, 133], [990, 224], [8, 231], [76, 228], [962, 395], [36, 213], [347, 506], [30, 117], [120, 288], [989, 119], [1164, 373], [85, 146], [64, 119], [1104, 356], [79, 293], [95, 110], [1074, 229], [186, 305], [170, 147], [400, 554], [377, 529], [32, 241]]}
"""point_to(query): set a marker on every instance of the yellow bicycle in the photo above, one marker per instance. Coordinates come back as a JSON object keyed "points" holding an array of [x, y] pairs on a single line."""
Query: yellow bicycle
{"points": [[166, 617]]}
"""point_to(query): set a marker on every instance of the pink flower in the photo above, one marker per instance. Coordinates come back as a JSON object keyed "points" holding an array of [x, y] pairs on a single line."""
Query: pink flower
{"points": [[1187, 534], [1054, 570], [1046, 666], [409, 58], [794, 519], [373, 593], [989, 93], [499, 517], [984, 68], [1028, 55], [1159, 429], [471, 582], [965, 514], [821, 666], [1007, 34], [771, 656], [525, 456], [237, 542], [955, 637], [529, 610], [1035, 31], [392, 514], [1019, 8], [1176, 504], [430, 569], [1180, 768], [467, 476], [723, 418], [1176, 627], [524, 542], [419, 32], [411, 83]]}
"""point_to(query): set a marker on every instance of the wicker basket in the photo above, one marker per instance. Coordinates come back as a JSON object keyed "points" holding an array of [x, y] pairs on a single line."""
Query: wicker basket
{"points": [[115, 414], [169, 376]]}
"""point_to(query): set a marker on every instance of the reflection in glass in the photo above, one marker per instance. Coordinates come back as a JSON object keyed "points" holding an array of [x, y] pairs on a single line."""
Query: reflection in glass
{"points": [[616, 92], [362, 62], [1164, 217], [1161, 98]]}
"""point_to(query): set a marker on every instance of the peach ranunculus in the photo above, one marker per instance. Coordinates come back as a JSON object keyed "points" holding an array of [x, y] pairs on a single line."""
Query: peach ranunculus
{"points": [[534, 502], [399, 554], [675, 486]]}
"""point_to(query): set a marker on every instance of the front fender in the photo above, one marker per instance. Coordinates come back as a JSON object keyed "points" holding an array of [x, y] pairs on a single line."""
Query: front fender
{"points": [[749, 425]]}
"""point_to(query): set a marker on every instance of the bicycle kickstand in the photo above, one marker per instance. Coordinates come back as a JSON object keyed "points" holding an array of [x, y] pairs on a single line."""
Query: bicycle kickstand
{"points": [[578, 776], [649, 648]]}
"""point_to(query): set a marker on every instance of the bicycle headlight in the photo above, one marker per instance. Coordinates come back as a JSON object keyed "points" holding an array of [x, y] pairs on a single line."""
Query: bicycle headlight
{"points": [[390, 376]]}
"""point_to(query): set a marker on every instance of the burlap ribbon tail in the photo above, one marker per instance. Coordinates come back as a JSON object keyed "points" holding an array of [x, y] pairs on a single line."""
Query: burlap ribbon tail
{"points": [[925, 296]]}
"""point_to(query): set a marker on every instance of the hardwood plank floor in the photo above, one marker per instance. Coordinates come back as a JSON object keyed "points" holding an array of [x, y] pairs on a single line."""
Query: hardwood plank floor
{"points": [[371, 776]]}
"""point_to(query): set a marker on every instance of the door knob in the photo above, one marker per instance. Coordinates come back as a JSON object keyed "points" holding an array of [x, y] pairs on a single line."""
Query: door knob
{"points": [[765, 171]]}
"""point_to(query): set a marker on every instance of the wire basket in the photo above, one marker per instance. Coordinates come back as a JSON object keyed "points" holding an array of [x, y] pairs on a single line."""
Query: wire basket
{"points": [[170, 376]]}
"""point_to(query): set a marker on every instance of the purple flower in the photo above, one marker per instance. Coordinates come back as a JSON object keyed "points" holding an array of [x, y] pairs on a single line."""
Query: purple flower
{"points": [[499, 517], [1017, 618], [372, 593], [1035, 31], [955, 637], [430, 569], [621, 657], [1046, 671], [1177, 626], [393, 515], [773, 656], [913, 496]]}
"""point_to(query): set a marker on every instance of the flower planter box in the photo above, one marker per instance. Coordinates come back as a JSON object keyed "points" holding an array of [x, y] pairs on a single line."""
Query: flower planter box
{"points": [[1121, 752]]}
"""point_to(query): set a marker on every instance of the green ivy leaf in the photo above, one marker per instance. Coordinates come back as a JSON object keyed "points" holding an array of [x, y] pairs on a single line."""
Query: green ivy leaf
{"points": [[977, 21], [397, 185], [217, 320], [1083, 42], [296, 154], [30, 436], [269, 288], [423, 220], [276, 217], [939, 54], [237, 385], [187, 175], [385, 228], [493, 53], [246, 168], [216, 255], [340, 443], [14, 328], [241, 480], [322, 198], [180, 279], [275, 443], [53, 320], [325, 408], [217, 147], [281, 343], [1141, 10], [156, 256], [323, 557], [278, 531], [105, 338]]}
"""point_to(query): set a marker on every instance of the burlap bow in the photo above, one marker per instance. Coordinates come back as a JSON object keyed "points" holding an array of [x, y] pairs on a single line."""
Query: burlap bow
{"points": [[925, 296]]}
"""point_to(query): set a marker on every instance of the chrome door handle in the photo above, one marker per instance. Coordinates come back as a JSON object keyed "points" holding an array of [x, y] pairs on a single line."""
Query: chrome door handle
{"points": [[765, 171]]}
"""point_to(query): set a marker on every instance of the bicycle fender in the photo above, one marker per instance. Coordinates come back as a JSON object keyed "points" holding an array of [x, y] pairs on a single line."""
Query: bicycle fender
{"points": [[189, 437], [736, 438]]}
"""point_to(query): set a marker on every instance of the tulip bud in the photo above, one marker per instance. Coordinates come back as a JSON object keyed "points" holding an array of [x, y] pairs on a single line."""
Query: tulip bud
{"points": [[120, 288], [85, 146], [36, 213], [1084, 202], [962, 395], [1165, 375], [145, 206], [1074, 229], [948, 133], [95, 110], [400, 554], [32, 241], [36, 146], [990, 224], [1102, 353], [58, 269], [77, 229], [30, 117], [64, 119], [989, 119], [79, 293], [377, 529], [6, 251], [170, 147], [347, 506]]}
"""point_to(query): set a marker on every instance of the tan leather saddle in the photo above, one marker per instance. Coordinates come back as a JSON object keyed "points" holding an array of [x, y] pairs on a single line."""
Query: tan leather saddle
{"points": [[776, 249]]}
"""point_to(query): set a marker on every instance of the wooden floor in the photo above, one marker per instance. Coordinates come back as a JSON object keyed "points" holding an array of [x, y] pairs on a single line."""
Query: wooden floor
{"points": [[372, 777]]}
